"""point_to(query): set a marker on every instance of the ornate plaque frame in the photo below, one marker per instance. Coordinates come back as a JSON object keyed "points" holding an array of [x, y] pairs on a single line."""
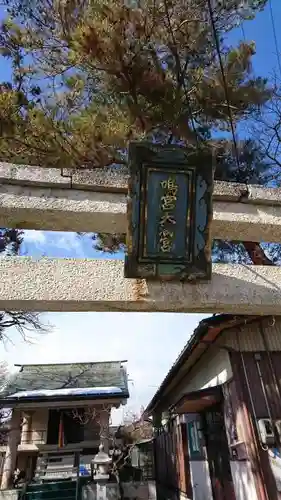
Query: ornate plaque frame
{"points": [[169, 213]]}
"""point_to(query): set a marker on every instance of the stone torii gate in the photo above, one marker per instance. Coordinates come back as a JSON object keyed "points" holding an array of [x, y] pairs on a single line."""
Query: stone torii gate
{"points": [[95, 201]]}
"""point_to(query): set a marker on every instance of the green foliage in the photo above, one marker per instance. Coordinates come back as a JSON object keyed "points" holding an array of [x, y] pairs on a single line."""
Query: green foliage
{"points": [[10, 241], [253, 167], [90, 76], [110, 243]]}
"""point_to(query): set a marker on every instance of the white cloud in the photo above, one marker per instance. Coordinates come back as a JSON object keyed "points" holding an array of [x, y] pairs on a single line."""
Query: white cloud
{"points": [[36, 237], [68, 239], [150, 343], [55, 244]]}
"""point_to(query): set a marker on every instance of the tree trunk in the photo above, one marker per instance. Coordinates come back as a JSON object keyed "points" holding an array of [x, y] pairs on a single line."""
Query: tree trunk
{"points": [[120, 487], [256, 254]]}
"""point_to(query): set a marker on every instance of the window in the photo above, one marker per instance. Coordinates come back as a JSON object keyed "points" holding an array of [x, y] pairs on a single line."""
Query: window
{"points": [[73, 429]]}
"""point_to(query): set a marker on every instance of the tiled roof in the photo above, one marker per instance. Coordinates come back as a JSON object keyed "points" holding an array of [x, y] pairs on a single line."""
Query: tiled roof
{"points": [[63, 376]]}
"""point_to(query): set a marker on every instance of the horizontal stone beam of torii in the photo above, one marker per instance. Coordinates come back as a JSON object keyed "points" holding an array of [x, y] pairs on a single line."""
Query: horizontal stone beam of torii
{"points": [[99, 285], [37, 198]]}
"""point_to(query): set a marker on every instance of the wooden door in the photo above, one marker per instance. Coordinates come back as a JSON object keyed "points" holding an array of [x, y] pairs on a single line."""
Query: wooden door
{"points": [[218, 454]]}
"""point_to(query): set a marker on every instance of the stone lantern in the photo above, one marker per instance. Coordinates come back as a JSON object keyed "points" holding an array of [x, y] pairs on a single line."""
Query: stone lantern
{"points": [[101, 463]]}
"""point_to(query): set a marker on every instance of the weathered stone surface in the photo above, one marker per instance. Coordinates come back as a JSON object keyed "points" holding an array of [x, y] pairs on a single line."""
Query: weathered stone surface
{"points": [[246, 222], [145, 490], [229, 191], [108, 179], [265, 196], [99, 285], [61, 209], [25, 175], [116, 181], [30, 207]]}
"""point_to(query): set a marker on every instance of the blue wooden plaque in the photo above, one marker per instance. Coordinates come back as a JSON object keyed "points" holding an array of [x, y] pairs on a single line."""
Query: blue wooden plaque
{"points": [[169, 213]]}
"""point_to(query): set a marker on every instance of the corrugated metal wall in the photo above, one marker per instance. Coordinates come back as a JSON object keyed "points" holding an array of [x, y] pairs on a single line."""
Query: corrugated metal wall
{"points": [[264, 480], [171, 460], [272, 390], [255, 355], [248, 338], [166, 454], [261, 337]]}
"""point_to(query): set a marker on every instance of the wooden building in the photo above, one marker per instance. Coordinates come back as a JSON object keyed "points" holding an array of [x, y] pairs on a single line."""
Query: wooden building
{"points": [[217, 414], [59, 411]]}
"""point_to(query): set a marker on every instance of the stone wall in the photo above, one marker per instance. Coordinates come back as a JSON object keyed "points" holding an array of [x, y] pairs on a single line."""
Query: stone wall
{"points": [[132, 491], [9, 494]]}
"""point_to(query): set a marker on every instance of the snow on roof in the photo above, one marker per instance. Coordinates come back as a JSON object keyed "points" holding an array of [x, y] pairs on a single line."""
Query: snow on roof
{"points": [[74, 391]]}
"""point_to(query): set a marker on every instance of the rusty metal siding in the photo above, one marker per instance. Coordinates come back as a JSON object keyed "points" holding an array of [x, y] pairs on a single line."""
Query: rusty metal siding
{"points": [[272, 331], [253, 339], [271, 382], [265, 484], [254, 384], [276, 367], [260, 346], [171, 460], [248, 338], [230, 408], [272, 391]]}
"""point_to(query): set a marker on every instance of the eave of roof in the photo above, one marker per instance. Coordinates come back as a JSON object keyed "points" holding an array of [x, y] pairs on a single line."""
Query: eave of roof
{"points": [[48, 399], [196, 401], [214, 325], [83, 363]]}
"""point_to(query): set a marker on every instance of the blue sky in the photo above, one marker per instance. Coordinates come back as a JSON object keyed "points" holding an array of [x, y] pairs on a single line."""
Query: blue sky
{"points": [[150, 342], [260, 30], [62, 245]]}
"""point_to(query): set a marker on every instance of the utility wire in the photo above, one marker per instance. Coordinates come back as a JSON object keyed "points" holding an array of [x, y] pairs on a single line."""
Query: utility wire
{"points": [[243, 31], [217, 43], [275, 36]]}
